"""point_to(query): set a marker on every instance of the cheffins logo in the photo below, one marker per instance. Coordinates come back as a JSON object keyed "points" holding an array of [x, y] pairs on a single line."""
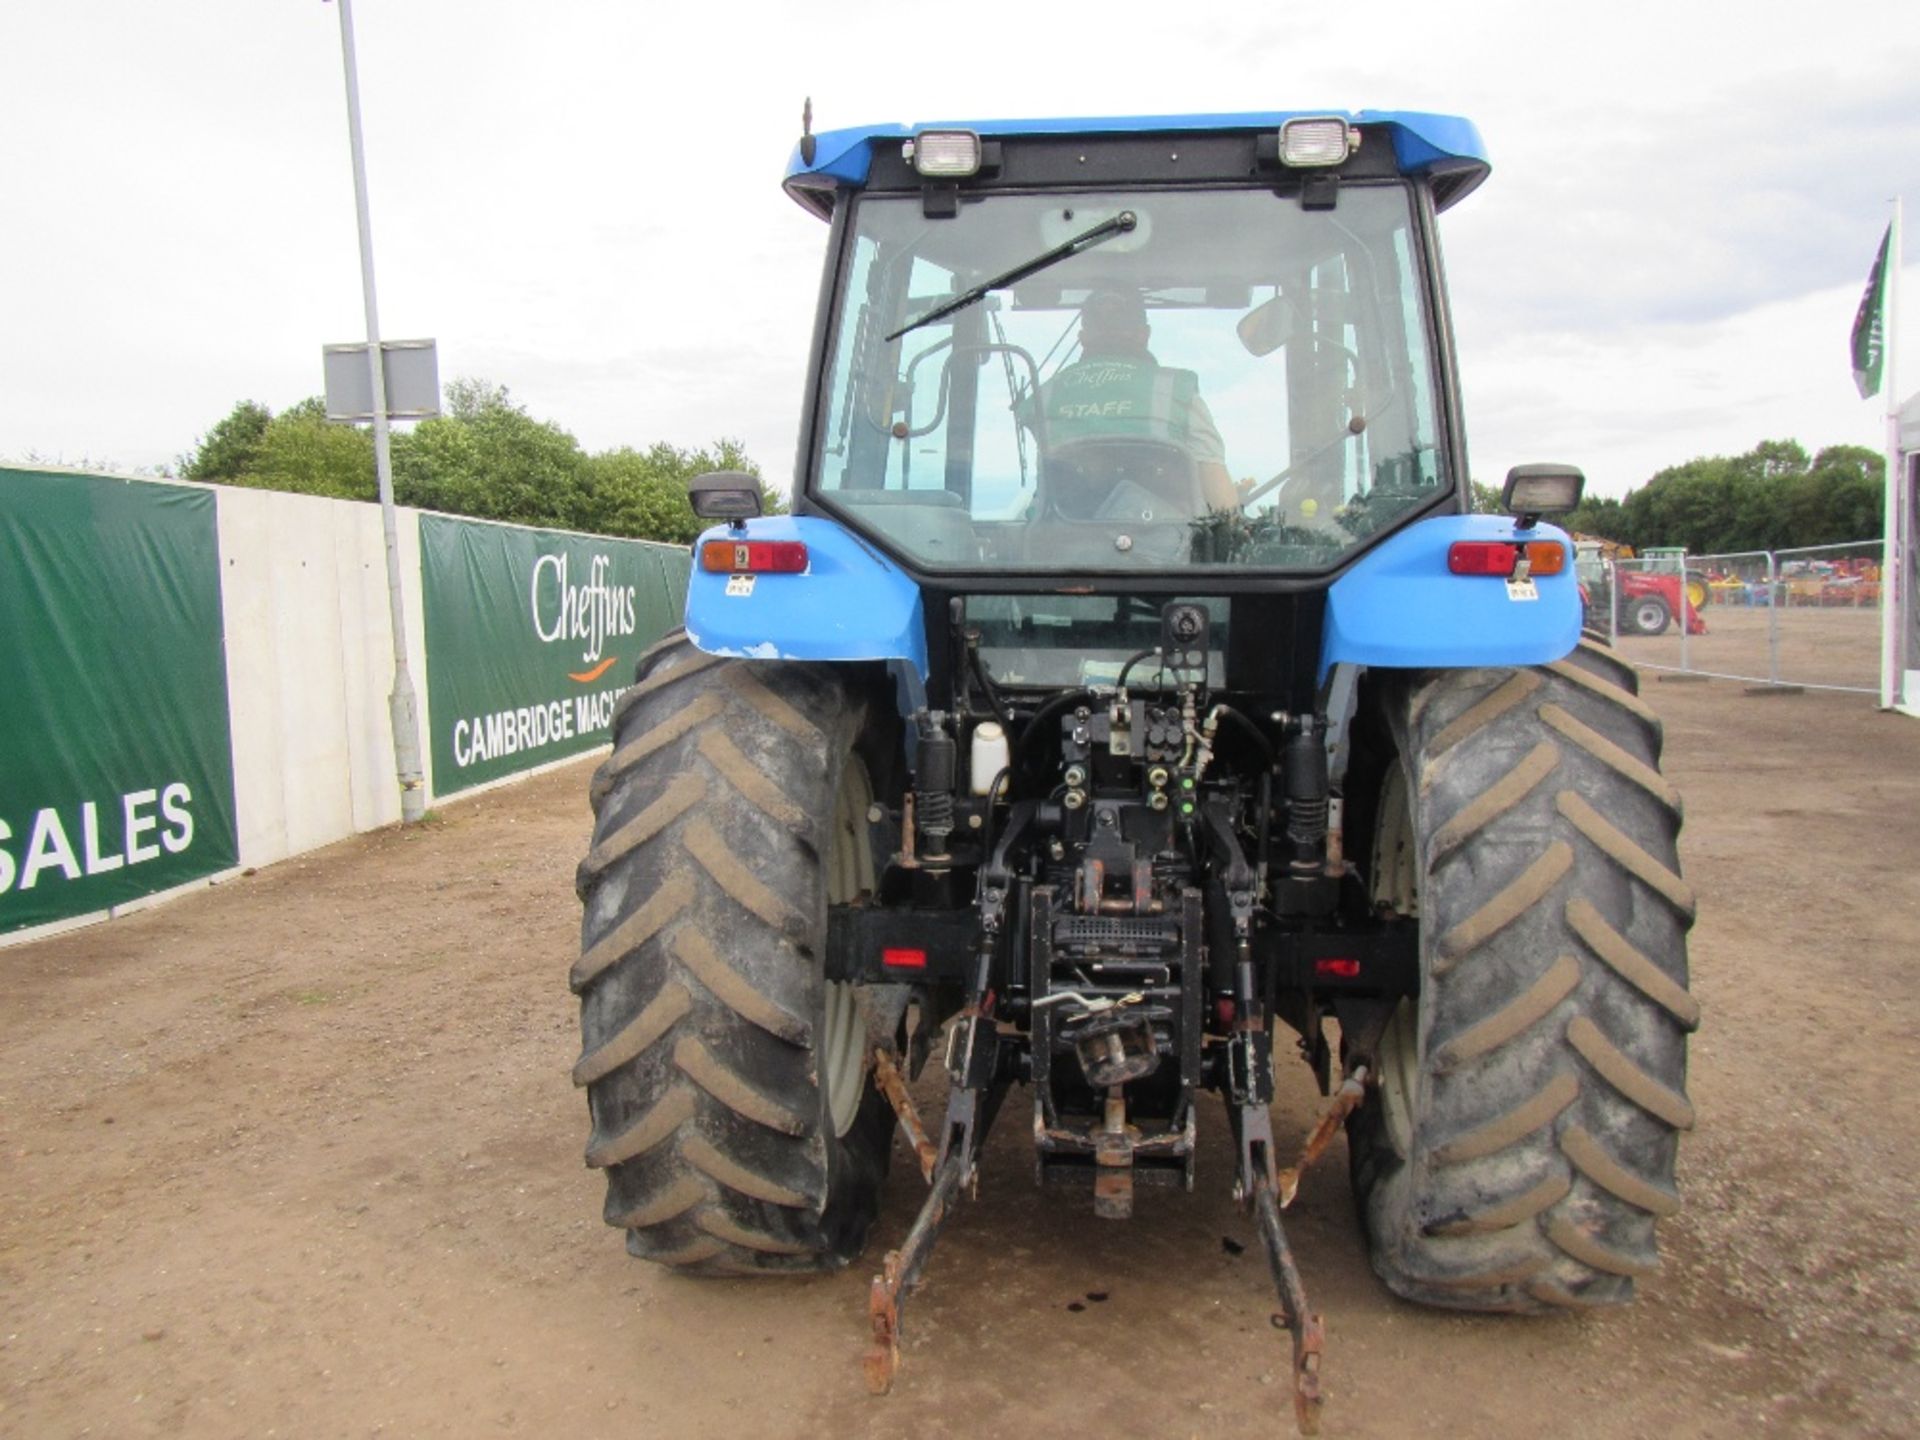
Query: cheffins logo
{"points": [[593, 613]]}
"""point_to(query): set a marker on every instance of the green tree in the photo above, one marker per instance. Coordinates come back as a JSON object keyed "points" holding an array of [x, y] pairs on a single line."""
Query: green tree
{"points": [[644, 493], [1691, 503], [1772, 460], [487, 457], [296, 450], [1486, 499], [1841, 497], [302, 451], [1597, 515], [1771, 498], [226, 451]]}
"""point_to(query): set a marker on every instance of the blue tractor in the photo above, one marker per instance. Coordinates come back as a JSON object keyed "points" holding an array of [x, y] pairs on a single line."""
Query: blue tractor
{"points": [[1131, 676]]}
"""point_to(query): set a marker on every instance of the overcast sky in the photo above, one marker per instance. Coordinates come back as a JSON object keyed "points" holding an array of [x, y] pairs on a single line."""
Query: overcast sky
{"points": [[580, 199]]}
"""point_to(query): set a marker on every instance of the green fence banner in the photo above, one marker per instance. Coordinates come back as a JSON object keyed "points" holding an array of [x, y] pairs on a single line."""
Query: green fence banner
{"points": [[116, 768], [531, 637]]}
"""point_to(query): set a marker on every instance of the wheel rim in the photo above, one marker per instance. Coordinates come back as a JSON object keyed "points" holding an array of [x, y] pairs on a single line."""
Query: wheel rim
{"points": [[1399, 1058], [842, 1051], [1396, 880], [1396, 886]]}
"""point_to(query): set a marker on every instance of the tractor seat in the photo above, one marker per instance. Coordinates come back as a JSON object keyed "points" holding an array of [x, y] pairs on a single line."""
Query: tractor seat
{"points": [[1119, 503], [931, 524], [1121, 479]]}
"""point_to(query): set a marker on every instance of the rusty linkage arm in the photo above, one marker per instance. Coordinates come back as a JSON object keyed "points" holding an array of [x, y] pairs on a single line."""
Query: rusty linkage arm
{"points": [[972, 1061], [1250, 1083], [894, 1086], [1309, 1336], [1345, 1101], [1270, 1192], [901, 1272], [976, 1087]]}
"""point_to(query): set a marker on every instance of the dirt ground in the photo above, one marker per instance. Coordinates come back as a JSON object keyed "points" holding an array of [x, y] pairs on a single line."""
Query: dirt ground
{"points": [[1801, 644], [299, 1156]]}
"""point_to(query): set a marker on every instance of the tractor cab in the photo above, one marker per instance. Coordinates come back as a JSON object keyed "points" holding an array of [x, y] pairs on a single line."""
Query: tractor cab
{"points": [[1140, 348], [1202, 358]]}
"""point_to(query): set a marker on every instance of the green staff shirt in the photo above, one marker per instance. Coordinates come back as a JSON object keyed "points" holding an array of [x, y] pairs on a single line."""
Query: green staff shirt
{"points": [[1127, 398]]}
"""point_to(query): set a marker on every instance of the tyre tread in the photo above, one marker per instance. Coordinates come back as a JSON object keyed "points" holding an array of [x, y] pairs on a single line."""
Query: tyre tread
{"points": [[1627, 852], [1503, 907], [1496, 800], [697, 974], [1542, 1088], [1519, 1015]]}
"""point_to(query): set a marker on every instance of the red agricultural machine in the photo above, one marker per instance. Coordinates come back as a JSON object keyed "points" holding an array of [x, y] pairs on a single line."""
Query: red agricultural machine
{"points": [[1644, 601]]}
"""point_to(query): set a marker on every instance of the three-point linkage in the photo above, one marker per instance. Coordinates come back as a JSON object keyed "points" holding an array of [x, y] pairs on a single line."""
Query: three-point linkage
{"points": [[977, 1083]]}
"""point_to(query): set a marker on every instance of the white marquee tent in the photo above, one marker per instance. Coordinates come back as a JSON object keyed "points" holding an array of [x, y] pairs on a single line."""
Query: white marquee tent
{"points": [[1903, 650]]}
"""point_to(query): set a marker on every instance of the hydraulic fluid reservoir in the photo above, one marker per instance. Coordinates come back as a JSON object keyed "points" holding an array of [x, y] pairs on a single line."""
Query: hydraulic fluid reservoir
{"points": [[989, 755]]}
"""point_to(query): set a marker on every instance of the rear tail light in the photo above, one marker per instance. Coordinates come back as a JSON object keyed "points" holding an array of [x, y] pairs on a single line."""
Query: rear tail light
{"points": [[1482, 557], [904, 959], [1339, 968], [1546, 557], [754, 557], [1501, 557]]}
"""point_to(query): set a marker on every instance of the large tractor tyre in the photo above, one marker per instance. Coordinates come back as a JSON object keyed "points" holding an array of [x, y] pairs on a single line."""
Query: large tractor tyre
{"points": [[1520, 1144], [733, 1107]]}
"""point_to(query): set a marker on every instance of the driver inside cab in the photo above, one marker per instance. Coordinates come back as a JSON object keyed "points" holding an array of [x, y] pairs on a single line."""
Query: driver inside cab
{"points": [[1116, 390]]}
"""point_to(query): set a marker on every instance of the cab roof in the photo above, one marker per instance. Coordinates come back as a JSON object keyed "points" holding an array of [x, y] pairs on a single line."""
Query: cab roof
{"points": [[1446, 148]]}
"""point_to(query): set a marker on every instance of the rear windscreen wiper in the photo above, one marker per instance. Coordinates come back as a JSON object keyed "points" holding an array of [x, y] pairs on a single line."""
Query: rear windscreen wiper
{"points": [[1119, 225]]}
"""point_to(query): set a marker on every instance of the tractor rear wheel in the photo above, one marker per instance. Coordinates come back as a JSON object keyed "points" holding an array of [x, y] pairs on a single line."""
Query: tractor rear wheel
{"points": [[1521, 1141], [733, 1107]]}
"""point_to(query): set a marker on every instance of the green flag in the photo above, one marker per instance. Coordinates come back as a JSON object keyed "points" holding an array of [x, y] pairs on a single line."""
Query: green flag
{"points": [[1869, 332]]}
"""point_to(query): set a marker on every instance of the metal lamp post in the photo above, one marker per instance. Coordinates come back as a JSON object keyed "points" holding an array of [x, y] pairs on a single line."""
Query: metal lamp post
{"points": [[403, 704]]}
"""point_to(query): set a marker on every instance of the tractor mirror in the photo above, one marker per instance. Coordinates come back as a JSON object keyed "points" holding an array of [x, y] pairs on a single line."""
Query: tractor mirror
{"points": [[724, 495], [1535, 490], [1266, 327]]}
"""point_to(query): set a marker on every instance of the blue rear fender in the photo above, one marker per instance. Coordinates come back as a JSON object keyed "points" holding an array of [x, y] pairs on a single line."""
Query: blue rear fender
{"points": [[851, 602], [1401, 607]]}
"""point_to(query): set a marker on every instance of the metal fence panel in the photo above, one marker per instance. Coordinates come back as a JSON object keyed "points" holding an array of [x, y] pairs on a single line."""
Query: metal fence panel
{"points": [[1828, 601], [1808, 617]]}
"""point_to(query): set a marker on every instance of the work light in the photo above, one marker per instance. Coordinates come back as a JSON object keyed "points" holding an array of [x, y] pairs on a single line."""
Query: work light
{"points": [[946, 154], [724, 495], [1317, 140], [1536, 490]]}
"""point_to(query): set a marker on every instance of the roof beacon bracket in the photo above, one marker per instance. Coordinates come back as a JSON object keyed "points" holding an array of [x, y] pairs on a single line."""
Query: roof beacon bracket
{"points": [[1319, 192], [940, 200]]}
